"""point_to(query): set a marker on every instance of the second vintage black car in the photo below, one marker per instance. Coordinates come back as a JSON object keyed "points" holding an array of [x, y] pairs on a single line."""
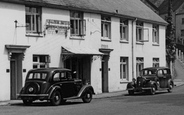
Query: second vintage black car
{"points": [[55, 85], [151, 80]]}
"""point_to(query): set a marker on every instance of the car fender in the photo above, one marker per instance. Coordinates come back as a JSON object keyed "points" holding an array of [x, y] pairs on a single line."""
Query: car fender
{"points": [[170, 81], [84, 89], [54, 88]]}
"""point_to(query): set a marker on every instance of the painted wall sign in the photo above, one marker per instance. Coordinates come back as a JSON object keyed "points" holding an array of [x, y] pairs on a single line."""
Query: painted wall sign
{"points": [[57, 26], [104, 46]]}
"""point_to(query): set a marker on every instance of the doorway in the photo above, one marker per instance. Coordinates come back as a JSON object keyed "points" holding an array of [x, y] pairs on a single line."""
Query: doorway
{"points": [[15, 74], [105, 71]]}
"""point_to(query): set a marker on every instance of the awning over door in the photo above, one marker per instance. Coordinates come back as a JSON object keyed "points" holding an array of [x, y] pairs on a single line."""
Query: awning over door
{"points": [[79, 51]]}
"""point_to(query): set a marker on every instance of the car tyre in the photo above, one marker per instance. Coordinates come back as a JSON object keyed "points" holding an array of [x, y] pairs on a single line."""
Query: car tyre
{"points": [[27, 102], [170, 88], [131, 92], [153, 90], [56, 98], [87, 96]]}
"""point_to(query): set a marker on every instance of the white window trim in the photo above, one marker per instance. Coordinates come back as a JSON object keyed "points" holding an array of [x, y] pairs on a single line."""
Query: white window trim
{"points": [[108, 22], [122, 25], [121, 69]]}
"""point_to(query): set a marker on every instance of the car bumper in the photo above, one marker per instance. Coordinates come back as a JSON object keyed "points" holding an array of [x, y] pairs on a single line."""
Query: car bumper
{"points": [[33, 96], [138, 89]]}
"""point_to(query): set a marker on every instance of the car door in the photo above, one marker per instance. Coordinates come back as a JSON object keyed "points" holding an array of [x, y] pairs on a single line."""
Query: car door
{"points": [[68, 85], [163, 81]]}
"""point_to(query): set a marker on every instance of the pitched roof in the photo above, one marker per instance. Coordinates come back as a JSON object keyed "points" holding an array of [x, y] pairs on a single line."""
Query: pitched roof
{"points": [[127, 8], [163, 8]]}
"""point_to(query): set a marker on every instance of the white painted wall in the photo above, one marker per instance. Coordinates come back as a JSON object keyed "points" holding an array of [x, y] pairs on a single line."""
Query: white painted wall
{"points": [[50, 44]]}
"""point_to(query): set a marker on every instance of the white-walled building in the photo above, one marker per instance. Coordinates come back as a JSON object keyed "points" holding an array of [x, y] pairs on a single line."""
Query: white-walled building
{"points": [[105, 42]]}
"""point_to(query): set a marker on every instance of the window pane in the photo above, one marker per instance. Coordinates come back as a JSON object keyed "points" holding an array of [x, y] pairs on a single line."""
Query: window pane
{"points": [[28, 22]]}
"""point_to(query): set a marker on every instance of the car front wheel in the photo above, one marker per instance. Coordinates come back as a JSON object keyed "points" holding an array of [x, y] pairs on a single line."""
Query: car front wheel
{"points": [[56, 98], [152, 90], [27, 102], [87, 96], [170, 87], [131, 92]]}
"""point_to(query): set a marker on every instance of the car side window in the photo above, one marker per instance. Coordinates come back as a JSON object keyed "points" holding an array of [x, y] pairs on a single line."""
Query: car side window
{"points": [[56, 77], [63, 75], [160, 72], [165, 72]]}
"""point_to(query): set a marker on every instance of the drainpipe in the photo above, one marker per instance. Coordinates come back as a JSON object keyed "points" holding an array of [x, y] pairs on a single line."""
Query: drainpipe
{"points": [[133, 47]]}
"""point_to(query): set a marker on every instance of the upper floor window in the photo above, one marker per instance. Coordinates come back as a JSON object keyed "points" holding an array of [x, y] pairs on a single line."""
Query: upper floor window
{"points": [[106, 27], [33, 19], [155, 34], [139, 31], [182, 32], [182, 21], [123, 30], [77, 24]]}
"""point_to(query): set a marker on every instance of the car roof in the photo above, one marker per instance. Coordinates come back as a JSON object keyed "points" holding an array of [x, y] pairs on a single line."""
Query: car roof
{"points": [[156, 68], [50, 69]]}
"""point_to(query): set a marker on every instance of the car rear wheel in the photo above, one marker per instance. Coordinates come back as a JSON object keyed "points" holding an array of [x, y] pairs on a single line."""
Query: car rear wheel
{"points": [[56, 98], [152, 90], [27, 102], [87, 96], [131, 92]]}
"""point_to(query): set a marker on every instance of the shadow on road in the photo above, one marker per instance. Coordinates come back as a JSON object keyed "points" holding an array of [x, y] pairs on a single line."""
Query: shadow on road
{"points": [[45, 104]]}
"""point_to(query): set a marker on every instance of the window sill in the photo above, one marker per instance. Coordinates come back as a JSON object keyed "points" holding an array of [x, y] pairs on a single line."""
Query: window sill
{"points": [[34, 35], [77, 37], [105, 39], [155, 44], [124, 41], [122, 81], [139, 43]]}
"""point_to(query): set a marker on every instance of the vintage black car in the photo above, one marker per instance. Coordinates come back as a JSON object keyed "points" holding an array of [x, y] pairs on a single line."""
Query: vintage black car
{"points": [[151, 80], [55, 85]]}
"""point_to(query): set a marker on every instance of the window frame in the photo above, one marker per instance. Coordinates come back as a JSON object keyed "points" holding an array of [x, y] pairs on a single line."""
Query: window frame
{"points": [[123, 30], [34, 15], [77, 23], [106, 27], [39, 63], [182, 21], [155, 34], [182, 32], [139, 65], [156, 62], [124, 68], [139, 31]]}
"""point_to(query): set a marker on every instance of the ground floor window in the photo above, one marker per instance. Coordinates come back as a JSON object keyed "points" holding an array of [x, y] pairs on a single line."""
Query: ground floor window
{"points": [[41, 61], [139, 65], [124, 68], [155, 62]]}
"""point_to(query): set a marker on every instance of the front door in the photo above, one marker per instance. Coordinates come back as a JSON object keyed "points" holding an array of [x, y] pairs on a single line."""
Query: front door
{"points": [[105, 70], [15, 74]]}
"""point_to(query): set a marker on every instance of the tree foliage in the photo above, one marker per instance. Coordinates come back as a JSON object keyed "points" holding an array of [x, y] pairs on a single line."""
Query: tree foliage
{"points": [[170, 36]]}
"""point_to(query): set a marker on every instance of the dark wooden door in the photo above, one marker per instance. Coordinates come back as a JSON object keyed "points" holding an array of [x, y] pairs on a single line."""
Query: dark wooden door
{"points": [[105, 74], [15, 75]]}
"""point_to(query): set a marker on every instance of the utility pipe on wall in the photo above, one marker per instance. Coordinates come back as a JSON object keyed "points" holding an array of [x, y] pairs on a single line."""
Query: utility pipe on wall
{"points": [[133, 46]]}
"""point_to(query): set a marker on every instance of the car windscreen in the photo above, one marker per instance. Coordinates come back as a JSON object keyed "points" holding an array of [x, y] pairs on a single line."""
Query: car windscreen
{"points": [[147, 72], [37, 75]]}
